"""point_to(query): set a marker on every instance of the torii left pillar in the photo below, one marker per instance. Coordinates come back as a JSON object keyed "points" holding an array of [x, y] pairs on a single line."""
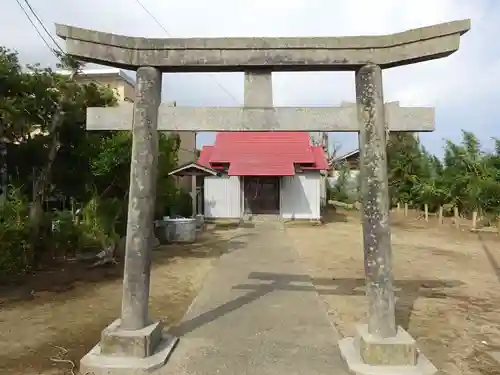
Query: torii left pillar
{"points": [[134, 342]]}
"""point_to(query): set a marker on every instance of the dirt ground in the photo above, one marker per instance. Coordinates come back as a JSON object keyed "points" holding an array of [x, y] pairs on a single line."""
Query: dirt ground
{"points": [[56, 311], [447, 282]]}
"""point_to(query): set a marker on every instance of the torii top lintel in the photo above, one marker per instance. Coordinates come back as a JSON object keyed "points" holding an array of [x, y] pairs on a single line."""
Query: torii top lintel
{"points": [[277, 54]]}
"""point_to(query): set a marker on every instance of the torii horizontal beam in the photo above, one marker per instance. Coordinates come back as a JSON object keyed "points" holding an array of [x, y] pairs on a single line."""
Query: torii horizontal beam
{"points": [[276, 54], [309, 119]]}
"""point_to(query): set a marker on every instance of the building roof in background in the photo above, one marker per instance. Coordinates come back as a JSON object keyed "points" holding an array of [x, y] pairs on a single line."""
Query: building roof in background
{"points": [[193, 169], [263, 153], [348, 155], [102, 72]]}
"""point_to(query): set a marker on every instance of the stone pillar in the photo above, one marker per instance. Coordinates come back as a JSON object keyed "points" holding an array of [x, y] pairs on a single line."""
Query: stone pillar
{"points": [[375, 201], [258, 93], [134, 343], [142, 196], [258, 89], [379, 346]]}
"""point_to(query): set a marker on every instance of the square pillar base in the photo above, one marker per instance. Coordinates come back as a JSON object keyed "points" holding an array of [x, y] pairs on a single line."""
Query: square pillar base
{"points": [[369, 355], [128, 352]]}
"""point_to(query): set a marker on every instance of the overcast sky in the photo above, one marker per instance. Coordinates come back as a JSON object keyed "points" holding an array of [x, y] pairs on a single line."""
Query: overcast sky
{"points": [[464, 88]]}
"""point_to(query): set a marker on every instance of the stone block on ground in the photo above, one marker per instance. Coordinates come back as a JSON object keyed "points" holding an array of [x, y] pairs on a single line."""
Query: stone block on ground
{"points": [[124, 352], [139, 343], [369, 355], [400, 350]]}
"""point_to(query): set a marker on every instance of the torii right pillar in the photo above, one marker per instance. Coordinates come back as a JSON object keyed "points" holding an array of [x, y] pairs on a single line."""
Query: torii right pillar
{"points": [[380, 346]]}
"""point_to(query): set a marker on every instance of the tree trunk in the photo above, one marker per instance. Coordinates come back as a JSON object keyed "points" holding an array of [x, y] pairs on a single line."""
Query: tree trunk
{"points": [[42, 182], [40, 189], [3, 166]]}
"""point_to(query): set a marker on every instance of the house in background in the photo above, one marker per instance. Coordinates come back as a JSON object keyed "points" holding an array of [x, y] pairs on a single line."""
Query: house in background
{"points": [[346, 163], [349, 160], [249, 173], [118, 80], [124, 87]]}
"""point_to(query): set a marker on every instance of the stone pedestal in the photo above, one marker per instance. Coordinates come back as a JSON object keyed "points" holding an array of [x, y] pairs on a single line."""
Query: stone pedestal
{"points": [[127, 352], [366, 354]]}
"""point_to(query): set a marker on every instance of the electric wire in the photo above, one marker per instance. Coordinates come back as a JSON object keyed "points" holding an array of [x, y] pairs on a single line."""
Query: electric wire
{"points": [[170, 35], [47, 44], [43, 25]]}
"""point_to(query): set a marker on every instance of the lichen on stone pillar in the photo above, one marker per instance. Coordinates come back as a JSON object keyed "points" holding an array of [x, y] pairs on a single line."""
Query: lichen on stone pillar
{"points": [[142, 196], [375, 202]]}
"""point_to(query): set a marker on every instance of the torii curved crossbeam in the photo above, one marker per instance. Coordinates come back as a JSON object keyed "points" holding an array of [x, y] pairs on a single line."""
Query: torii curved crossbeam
{"points": [[278, 54]]}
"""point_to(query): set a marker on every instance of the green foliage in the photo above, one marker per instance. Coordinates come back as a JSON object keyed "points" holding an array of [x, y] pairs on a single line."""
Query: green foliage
{"points": [[166, 191], [342, 189], [182, 204], [98, 227], [88, 170], [467, 176], [64, 233], [409, 164], [14, 232]]}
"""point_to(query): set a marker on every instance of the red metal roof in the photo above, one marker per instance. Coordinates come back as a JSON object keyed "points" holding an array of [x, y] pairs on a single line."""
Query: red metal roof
{"points": [[319, 158], [205, 154], [255, 168], [263, 153]]}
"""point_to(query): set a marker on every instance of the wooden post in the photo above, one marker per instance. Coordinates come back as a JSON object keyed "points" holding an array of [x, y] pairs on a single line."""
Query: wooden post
{"points": [[440, 215], [474, 220], [498, 225], [456, 216], [406, 209], [426, 212]]}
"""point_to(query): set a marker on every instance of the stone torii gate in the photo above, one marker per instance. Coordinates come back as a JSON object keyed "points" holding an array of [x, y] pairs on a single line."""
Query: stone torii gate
{"points": [[133, 342]]}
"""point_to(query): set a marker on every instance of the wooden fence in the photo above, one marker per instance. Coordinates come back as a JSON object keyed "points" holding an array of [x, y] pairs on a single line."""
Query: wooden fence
{"points": [[457, 219]]}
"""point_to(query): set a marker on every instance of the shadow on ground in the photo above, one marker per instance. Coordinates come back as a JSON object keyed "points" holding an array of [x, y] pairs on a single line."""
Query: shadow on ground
{"points": [[408, 291], [80, 278], [66, 284], [333, 215], [489, 255]]}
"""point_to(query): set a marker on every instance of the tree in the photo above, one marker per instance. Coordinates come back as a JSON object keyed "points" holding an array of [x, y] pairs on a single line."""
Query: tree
{"points": [[408, 166], [467, 177], [11, 89], [39, 100], [51, 158]]}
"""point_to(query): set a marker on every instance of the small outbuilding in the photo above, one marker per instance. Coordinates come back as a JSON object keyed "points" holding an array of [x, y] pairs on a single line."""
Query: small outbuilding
{"points": [[252, 173]]}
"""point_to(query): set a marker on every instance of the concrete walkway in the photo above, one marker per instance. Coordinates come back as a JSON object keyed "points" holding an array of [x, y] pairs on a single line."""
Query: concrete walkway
{"points": [[257, 313]]}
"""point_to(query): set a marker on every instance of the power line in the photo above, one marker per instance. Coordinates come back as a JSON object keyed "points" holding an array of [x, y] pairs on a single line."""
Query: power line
{"points": [[55, 42], [43, 26], [36, 28], [166, 32]]}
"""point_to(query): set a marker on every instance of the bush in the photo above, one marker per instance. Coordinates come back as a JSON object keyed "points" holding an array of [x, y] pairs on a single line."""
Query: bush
{"points": [[64, 234], [14, 234], [182, 204], [346, 188]]}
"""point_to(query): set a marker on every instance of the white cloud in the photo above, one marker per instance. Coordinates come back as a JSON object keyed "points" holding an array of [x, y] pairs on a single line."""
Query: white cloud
{"points": [[451, 84]]}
